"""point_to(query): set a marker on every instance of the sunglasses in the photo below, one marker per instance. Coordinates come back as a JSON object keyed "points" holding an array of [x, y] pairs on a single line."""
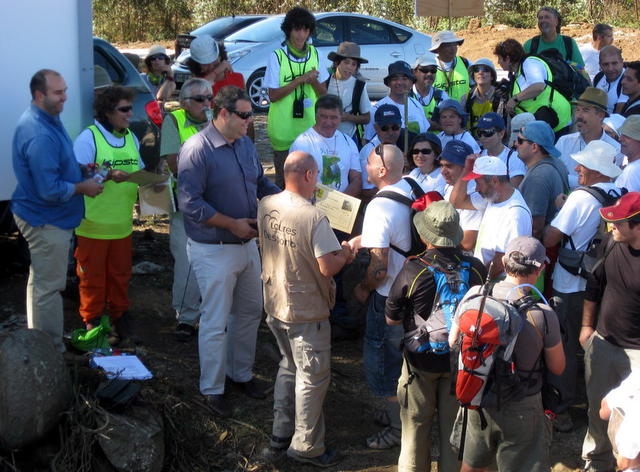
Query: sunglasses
{"points": [[428, 70], [481, 69], [201, 98], [387, 127], [125, 109], [157, 57], [425, 151], [485, 133], [523, 140], [243, 115], [379, 149]]}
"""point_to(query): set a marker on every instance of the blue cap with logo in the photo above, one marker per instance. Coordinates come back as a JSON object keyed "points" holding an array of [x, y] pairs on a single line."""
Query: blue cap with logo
{"points": [[387, 115], [491, 120], [456, 151]]}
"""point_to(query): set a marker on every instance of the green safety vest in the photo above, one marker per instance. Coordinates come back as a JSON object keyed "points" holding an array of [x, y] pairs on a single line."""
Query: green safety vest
{"points": [[282, 127], [110, 214], [561, 105], [185, 132], [455, 82]]}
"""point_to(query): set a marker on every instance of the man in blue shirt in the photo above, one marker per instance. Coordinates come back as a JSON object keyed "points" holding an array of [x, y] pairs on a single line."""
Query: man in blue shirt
{"points": [[220, 179], [47, 203]]}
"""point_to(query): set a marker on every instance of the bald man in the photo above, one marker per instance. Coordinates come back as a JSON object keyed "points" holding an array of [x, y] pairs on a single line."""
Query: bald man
{"points": [[300, 255], [386, 225]]}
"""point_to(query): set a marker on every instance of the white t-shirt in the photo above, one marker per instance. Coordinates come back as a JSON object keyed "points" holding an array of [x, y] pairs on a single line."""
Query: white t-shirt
{"points": [[470, 220], [429, 182], [335, 156], [612, 91], [534, 72], [272, 74], [515, 165], [630, 177], [364, 157], [386, 223], [464, 136], [578, 218], [415, 112], [591, 57], [84, 147], [344, 90], [501, 223], [573, 143]]}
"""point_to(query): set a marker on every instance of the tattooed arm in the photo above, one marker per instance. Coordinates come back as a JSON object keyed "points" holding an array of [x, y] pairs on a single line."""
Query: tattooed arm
{"points": [[376, 273]]}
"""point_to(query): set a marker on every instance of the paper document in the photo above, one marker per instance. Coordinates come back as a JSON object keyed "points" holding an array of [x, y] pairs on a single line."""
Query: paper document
{"points": [[144, 177], [123, 367], [156, 200], [341, 209]]}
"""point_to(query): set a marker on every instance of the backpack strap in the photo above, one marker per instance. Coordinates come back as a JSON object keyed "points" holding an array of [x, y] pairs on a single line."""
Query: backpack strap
{"points": [[465, 61], [597, 78], [535, 43], [356, 95], [415, 186], [565, 184], [437, 95], [568, 47]]}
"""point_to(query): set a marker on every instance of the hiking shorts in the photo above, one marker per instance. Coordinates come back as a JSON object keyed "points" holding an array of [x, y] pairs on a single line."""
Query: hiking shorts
{"points": [[518, 436]]}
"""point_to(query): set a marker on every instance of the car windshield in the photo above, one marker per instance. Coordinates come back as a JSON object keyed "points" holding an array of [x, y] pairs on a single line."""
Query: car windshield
{"points": [[221, 27], [259, 32]]}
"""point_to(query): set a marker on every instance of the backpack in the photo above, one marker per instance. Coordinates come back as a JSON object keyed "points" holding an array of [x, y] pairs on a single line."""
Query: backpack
{"points": [[419, 203], [600, 75], [568, 46], [487, 374], [566, 78], [452, 283], [582, 263]]}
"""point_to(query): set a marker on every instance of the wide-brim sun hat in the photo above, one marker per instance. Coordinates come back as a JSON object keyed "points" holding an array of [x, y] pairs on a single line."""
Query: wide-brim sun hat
{"points": [[484, 62], [599, 156], [595, 98], [204, 50], [444, 37], [427, 59], [399, 68], [439, 224], [156, 49], [349, 50]]}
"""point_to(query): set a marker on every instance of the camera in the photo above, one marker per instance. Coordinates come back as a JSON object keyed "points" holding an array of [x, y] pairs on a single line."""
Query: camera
{"points": [[298, 107]]}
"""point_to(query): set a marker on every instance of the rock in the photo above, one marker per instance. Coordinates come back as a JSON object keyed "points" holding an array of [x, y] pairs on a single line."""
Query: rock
{"points": [[134, 441], [146, 267], [35, 386]]}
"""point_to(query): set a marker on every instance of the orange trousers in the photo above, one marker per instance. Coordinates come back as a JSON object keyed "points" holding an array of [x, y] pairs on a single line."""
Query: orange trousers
{"points": [[104, 269]]}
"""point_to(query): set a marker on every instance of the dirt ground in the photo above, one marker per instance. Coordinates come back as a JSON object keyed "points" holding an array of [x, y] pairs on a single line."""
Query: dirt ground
{"points": [[195, 439]]}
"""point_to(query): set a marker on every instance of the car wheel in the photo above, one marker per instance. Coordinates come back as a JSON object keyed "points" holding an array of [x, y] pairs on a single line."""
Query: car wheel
{"points": [[258, 94]]}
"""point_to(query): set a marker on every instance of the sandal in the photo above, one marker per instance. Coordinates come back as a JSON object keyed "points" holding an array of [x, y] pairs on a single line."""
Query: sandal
{"points": [[386, 439], [381, 417]]}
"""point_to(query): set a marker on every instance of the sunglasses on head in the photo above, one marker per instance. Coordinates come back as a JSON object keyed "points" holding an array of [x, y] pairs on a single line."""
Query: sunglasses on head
{"points": [[243, 115], [486, 133], [425, 151], [387, 127], [428, 69], [201, 98], [125, 109], [379, 149]]}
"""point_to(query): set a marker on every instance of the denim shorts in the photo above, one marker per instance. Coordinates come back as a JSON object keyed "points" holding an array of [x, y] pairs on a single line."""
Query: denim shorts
{"points": [[381, 352]]}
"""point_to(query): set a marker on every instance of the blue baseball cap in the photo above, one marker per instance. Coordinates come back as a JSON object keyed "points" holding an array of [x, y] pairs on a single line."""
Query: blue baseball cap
{"points": [[456, 151], [387, 115], [491, 120], [540, 132]]}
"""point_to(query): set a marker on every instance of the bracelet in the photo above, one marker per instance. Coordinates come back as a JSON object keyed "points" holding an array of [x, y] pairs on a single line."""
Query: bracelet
{"points": [[587, 326]]}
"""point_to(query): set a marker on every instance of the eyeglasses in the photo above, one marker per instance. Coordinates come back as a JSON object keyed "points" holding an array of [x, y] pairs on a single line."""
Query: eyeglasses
{"points": [[243, 115], [481, 69], [428, 70], [425, 151], [523, 140], [157, 57], [125, 109], [200, 98], [386, 128], [486, 133], [379, 149]]}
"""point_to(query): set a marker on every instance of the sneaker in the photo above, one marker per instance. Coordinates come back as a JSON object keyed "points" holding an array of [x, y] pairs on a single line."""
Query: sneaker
{"points": [[277, 442], [184, 332], [563, 422], [386, 439], [218, 404], [329, 458], [252, 388]]}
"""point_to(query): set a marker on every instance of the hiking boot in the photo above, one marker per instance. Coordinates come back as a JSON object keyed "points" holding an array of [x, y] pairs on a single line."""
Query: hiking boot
{"points": [[252, 388], [329, 458], [123, 325], [280, 443], [184, 332], [381, 418], [386, 439], [563, 422], [218, 404]]}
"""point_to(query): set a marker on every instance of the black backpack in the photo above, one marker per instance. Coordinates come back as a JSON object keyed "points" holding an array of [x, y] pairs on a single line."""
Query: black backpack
{"points": [[600, 75], [566, 79], [417, 246]]}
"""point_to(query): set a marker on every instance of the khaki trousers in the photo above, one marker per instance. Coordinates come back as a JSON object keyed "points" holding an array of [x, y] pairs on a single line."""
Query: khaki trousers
{"points": [[302, 383], [49, 250]]}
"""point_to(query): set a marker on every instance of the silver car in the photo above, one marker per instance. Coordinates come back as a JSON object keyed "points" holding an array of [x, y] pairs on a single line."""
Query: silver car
{"points": [[381, 42]]}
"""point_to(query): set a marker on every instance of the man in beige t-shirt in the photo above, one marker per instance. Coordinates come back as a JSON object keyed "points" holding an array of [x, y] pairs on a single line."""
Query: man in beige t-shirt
{"points": [[300, 255]]}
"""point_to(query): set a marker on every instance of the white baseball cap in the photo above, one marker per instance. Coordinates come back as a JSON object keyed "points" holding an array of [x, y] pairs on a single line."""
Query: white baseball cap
{"points": [[599, 156], [487, 165]]}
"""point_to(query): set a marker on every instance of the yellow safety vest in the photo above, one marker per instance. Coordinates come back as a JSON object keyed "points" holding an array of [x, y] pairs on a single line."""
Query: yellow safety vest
{"points": [[561, 105], [455, 82], [282, 127], [110, 214], [184, 131]]}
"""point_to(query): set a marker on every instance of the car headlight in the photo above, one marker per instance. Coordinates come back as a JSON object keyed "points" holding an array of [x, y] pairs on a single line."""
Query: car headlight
{"points": [[234, 56]]}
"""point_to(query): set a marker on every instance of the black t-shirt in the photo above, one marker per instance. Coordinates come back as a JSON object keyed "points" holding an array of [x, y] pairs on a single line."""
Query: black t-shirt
{"points": [[616, 284], [401, 308]]}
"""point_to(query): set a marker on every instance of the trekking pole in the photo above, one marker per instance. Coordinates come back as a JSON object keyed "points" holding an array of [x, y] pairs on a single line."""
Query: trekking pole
{"points": [[406, 128], [486, 288]]}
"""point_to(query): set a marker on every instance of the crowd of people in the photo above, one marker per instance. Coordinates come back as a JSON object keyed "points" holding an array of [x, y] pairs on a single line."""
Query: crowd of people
{"points": [[527, 188]]}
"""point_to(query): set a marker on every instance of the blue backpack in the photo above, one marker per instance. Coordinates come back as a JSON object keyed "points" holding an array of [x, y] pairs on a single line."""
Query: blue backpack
{"points": [[431, 333]]}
